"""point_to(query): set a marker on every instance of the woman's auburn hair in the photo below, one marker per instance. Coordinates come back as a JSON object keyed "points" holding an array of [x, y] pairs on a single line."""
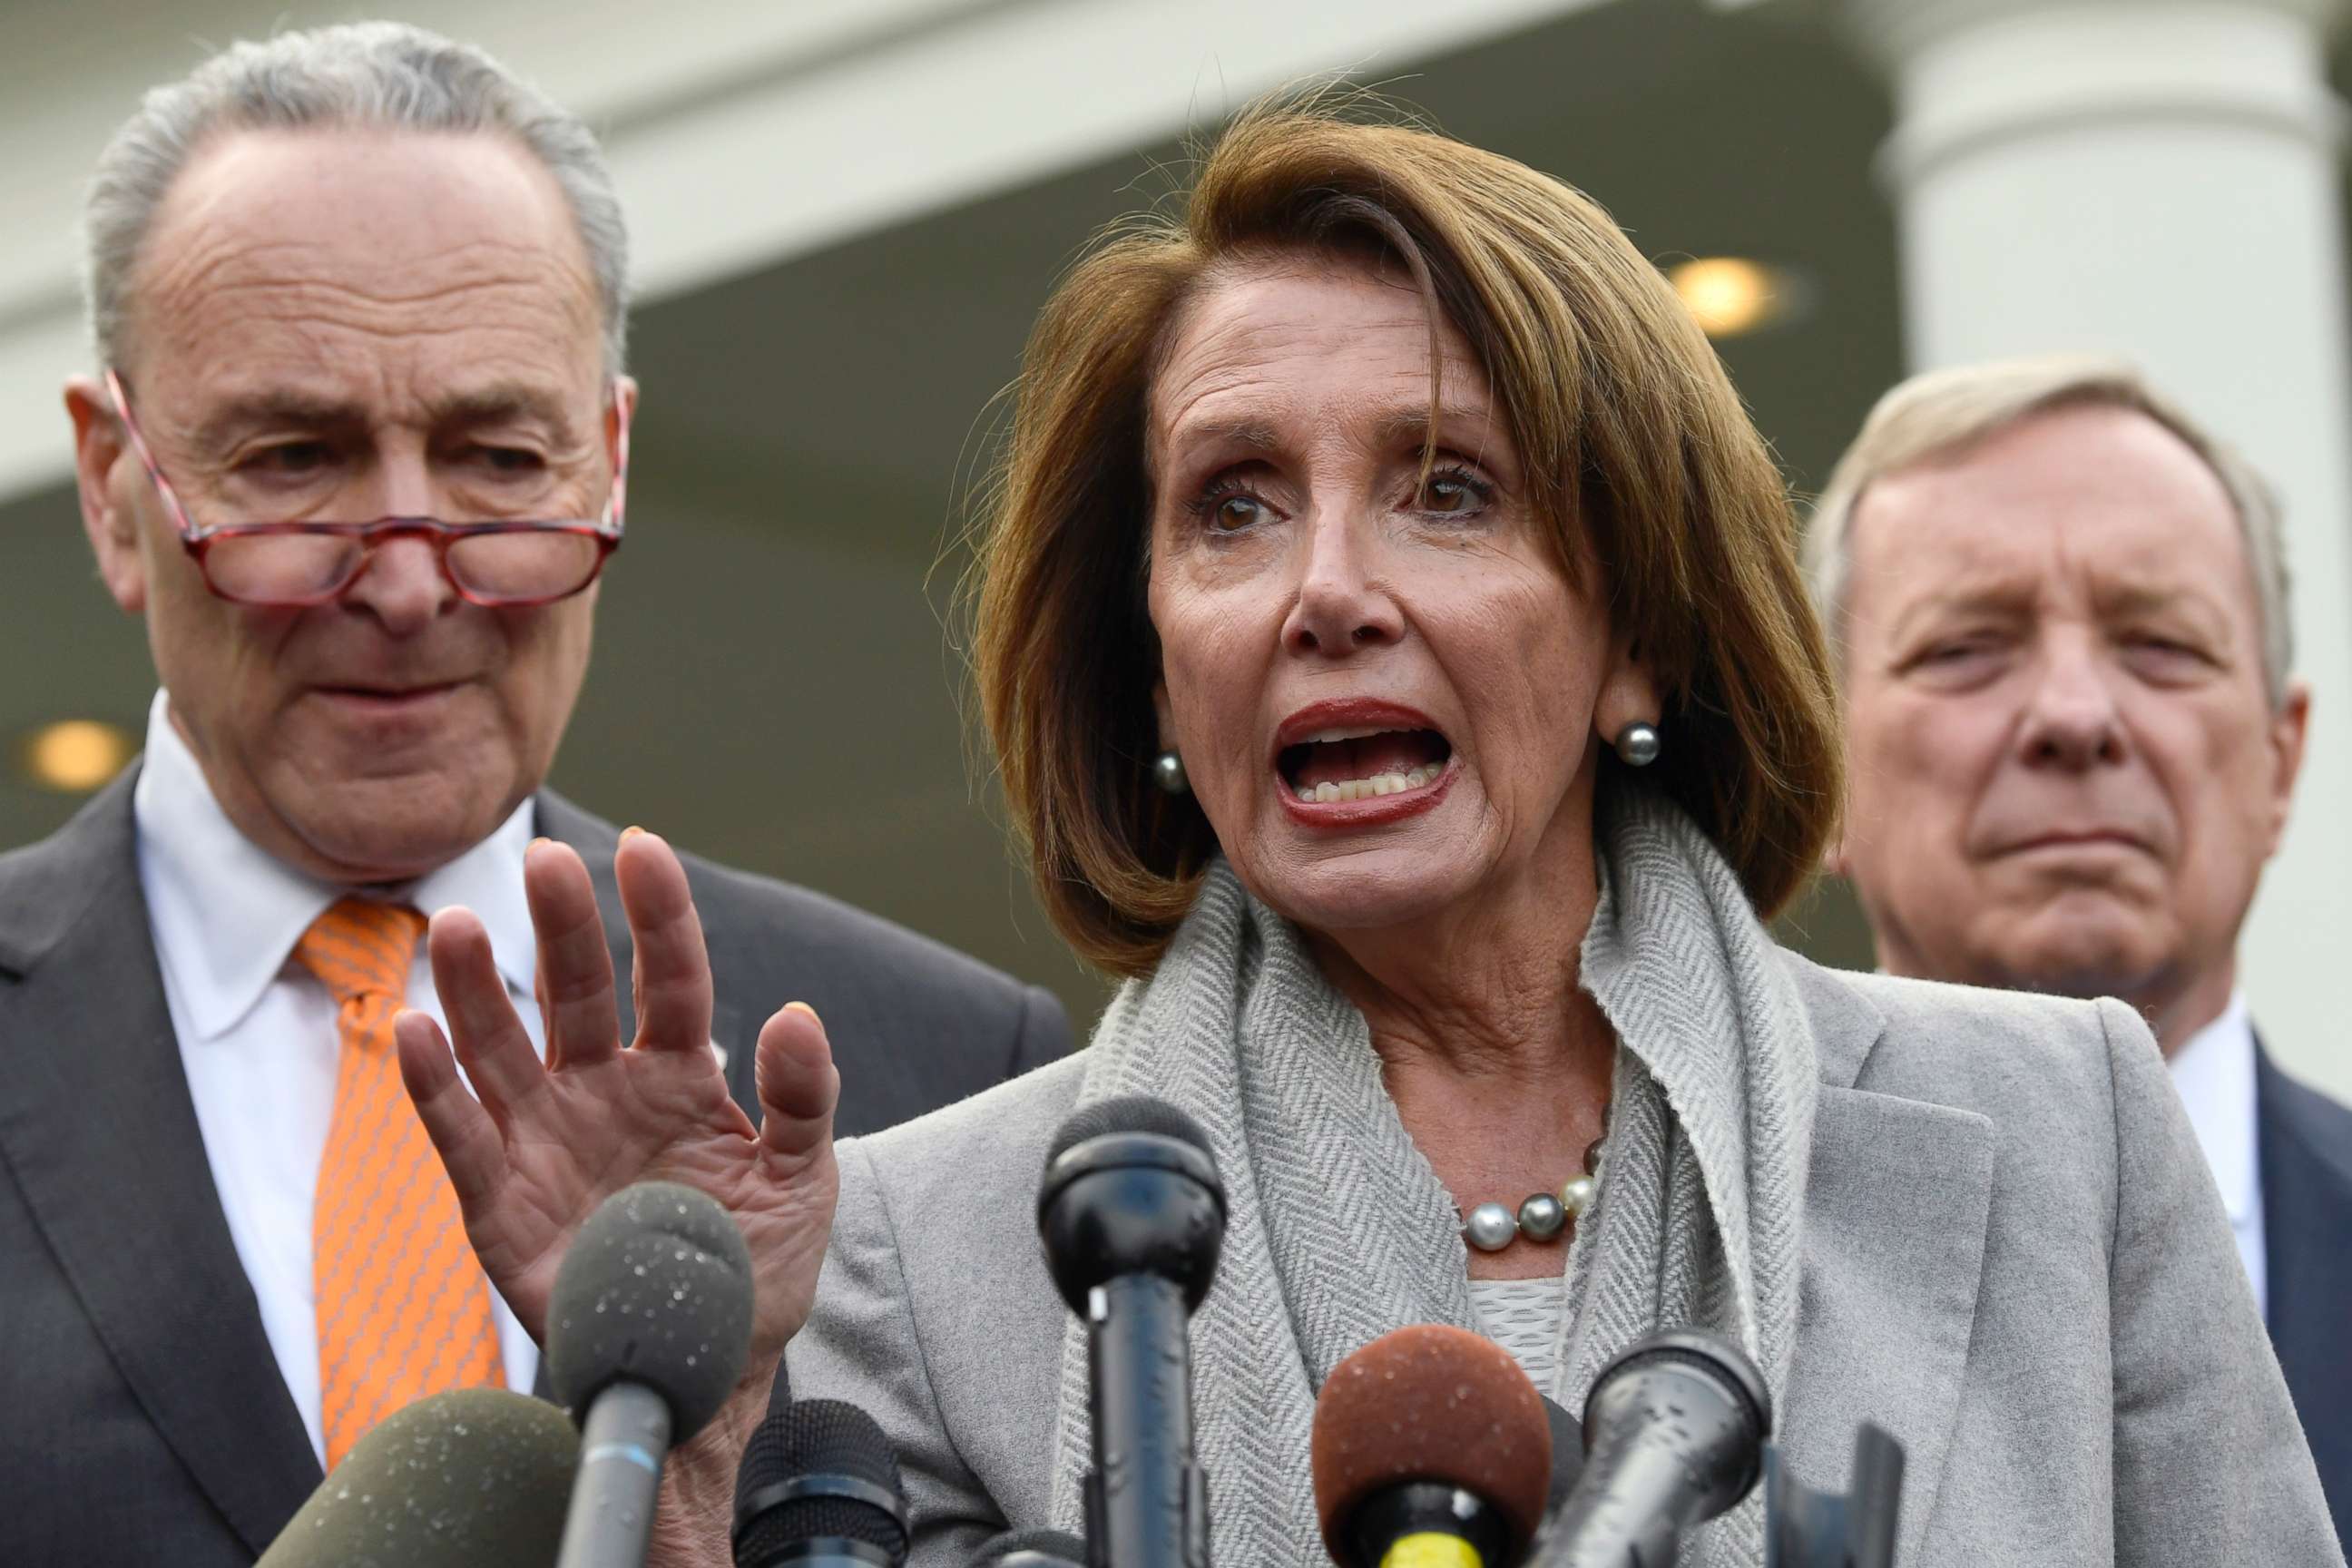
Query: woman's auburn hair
{"points": [[1626, 425]]}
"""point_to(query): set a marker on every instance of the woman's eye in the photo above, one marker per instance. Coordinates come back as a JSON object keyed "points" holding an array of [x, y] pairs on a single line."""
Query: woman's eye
{"points": [[1228, 510], [1454, 494]]}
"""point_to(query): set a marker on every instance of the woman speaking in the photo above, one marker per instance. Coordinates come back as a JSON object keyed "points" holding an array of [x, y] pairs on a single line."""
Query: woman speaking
{"points": [[1389, 629]]}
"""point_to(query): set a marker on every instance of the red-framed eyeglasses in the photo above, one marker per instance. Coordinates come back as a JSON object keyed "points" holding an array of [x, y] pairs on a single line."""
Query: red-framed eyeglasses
{"points": [[500, 564]]}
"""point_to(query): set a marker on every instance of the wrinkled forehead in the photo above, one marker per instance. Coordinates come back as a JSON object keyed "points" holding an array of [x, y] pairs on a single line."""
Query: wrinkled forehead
{"points": [[382, 263], [1305, 336], [2081, 505]]}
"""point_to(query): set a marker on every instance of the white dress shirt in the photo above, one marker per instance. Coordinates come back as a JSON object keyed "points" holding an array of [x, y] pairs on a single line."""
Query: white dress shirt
{"points": [[258, 1034], [2214, 1072]]}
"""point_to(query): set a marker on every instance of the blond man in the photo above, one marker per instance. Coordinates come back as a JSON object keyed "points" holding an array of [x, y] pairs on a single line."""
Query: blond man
{"points": [[2061, 619]]}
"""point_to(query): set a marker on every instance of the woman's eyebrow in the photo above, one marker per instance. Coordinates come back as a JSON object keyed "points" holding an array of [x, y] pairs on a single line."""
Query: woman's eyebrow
{"points": [[1249, 432]]}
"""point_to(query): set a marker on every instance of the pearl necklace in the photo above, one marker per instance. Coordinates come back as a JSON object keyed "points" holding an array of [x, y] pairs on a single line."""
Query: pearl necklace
{"points": [[1541, 1217]]}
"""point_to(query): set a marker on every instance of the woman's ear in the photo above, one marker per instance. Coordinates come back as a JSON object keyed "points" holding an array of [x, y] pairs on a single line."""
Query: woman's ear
{"points": [[107, 517], [1162, 717], [1834, 861], [1629, 692]]}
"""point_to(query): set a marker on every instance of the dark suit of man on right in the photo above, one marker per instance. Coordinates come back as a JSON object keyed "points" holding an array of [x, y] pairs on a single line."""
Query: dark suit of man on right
{"points": [[2062, 618]]}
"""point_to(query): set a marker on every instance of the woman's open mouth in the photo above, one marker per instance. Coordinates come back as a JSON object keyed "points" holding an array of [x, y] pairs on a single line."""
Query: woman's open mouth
{"points": [[1363, 763], [1354, 763]]}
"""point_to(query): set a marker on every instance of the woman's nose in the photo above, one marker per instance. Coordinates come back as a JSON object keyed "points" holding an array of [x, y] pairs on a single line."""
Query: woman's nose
{"points": [[1342, 603]]}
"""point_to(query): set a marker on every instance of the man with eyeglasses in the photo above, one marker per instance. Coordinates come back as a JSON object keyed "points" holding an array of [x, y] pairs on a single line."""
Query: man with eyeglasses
{"points": [[356, 450]]}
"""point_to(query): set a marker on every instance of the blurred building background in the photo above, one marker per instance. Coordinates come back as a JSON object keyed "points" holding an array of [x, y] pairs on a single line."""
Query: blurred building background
{"points": [[846, 212]]}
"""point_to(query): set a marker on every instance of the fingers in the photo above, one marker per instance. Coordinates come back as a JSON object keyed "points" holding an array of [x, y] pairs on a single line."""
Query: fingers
{"points": [[493, 1047], [576, 967], [799, 1086], [461, 1131], [673, 969]]}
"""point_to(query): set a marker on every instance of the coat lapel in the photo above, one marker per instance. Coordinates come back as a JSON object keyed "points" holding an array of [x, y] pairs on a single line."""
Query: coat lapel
{"points": [[98, 1129], [2305, 1144], [1897, 1204]]}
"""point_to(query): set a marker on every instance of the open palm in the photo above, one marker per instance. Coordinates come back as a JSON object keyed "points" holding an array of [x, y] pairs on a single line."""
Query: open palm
{"points": [[538, 1146]]}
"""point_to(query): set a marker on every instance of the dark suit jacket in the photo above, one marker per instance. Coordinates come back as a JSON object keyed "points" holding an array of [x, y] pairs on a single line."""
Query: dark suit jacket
{"points": [[146, 1421], [2304, 1143]]}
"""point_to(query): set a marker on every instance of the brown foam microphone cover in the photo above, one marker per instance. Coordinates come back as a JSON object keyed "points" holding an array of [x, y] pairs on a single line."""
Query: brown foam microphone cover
{"points": [[1431, 1402]]}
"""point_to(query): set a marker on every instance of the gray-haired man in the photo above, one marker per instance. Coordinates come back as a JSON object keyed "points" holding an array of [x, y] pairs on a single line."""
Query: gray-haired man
{"points": [[2072, 738], [354, 447]]}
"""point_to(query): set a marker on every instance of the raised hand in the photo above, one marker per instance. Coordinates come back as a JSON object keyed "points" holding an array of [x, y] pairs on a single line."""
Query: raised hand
{"points": [[545, 1143]]}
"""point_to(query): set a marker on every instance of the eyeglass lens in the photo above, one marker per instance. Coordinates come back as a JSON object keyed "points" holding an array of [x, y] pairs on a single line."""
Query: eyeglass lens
{"points": [[525, 564]]}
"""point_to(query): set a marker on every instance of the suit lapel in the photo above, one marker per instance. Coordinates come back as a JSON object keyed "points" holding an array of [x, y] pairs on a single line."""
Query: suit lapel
{"points": [[98, 1129], [1897, 1204], [2306, 1148]]}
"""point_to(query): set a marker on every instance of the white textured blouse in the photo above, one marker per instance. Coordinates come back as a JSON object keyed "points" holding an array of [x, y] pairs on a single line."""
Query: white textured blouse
{"points": [[1523, 1316]]}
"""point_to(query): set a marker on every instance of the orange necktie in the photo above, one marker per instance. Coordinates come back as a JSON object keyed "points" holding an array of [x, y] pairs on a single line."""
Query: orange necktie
{"points": [[403, 1308]]}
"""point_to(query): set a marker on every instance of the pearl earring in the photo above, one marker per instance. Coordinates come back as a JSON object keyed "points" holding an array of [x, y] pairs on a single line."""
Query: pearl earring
{"points": [[1638, 745], [1168, 772]]}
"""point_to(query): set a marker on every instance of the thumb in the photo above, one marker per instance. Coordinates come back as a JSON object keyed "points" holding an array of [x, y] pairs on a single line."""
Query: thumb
{"points": [[799, 1086]]}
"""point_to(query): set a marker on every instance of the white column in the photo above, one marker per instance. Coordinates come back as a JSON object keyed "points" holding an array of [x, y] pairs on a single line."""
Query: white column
{"points": [[2160, 179]]}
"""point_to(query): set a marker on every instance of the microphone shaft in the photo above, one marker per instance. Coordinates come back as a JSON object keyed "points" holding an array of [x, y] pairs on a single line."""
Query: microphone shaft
{"points": [[1148, 1498], [1643, 1488], [622, 1447]]}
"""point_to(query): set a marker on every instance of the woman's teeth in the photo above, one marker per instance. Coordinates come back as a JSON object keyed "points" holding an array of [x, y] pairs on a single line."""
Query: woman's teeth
{"points": [[1365, 789]]}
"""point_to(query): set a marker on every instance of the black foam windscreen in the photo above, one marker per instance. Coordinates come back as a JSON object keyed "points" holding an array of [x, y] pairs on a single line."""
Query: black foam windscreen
{"points": [[656, 1289], [817, 1442], [1127, 1113], [476, 1478], [1567, 1453]]}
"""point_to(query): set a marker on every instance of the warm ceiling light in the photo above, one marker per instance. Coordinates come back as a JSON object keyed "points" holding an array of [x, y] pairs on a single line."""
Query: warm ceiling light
{"points": [[1731, 295], [76, 756]]}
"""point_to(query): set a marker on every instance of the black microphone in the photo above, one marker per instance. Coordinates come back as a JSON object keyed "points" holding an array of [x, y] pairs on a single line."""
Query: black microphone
{"points": [[1854, 1528], [1429, 1444], [1133, 1217], [1674, 1435], [474, 1478], [820, 1488], [1566, 1455], [646, 1333], [1032, 1549]]}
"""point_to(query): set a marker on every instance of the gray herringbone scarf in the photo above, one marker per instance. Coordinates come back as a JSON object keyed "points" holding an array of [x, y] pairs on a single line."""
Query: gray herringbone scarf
{"points": [[1339, 1231]]}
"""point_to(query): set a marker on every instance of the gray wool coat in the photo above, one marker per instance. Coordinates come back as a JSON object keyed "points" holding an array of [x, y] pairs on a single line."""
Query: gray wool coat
{"points": [[2013, 1258]]}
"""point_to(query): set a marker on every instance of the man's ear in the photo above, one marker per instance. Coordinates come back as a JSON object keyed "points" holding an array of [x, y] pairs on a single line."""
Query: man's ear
{"points": [[108, 516], [618, 418], [2289, 728]]}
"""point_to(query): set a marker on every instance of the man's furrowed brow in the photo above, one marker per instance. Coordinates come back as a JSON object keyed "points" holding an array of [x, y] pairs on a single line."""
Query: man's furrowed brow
{"points": [[275, 410], [504, 403], [2003, 598]]}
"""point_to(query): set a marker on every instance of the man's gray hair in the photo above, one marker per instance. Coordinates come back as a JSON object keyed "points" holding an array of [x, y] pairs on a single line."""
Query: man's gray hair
{"points": [[1941, 412], [370, 75]]}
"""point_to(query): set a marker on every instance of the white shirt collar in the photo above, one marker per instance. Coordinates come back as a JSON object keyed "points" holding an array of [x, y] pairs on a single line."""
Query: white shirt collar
{"points": [[230, 913], [2214, 1071]]}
